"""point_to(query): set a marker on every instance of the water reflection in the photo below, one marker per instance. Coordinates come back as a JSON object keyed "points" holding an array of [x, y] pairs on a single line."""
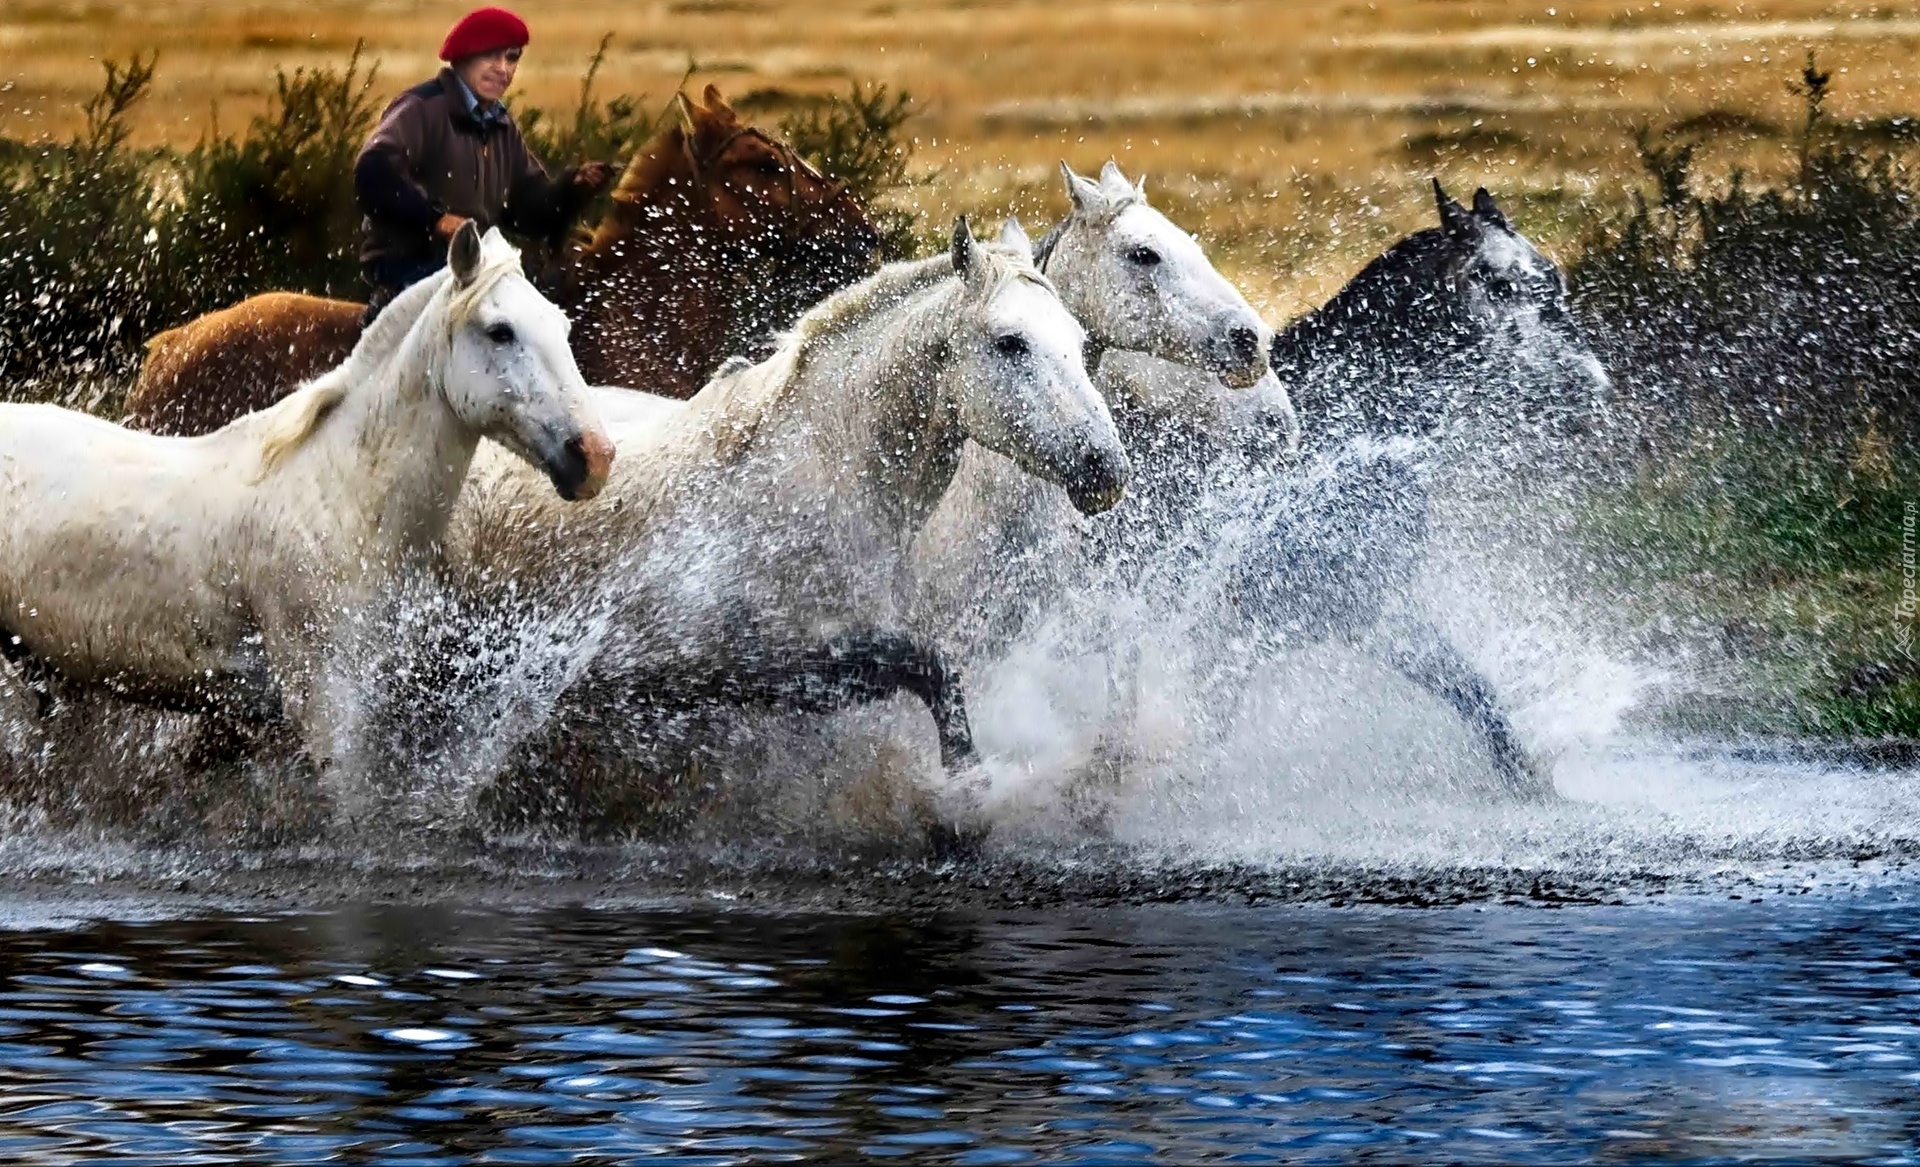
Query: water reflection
{"points": [[438, 1035]]}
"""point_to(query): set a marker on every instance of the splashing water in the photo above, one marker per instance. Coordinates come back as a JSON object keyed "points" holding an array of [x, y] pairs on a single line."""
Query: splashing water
{"points": [[1141, 725]]}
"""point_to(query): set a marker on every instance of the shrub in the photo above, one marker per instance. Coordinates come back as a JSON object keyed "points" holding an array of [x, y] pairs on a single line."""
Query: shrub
{"points": [[82, 262], [276, 205], [596, 130], [858, 139], [1793, 310], [1767, 344], [102, 246]]}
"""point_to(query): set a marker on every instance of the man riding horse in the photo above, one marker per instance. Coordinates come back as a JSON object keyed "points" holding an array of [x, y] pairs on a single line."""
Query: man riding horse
{"points": [[447, 152]]}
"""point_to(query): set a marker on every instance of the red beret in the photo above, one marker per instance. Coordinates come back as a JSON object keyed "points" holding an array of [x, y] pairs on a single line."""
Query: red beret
{"points": [[482, 31]]}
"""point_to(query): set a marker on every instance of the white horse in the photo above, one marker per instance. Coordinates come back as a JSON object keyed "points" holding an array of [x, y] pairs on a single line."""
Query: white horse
{"points": [[1174, 342], [753, 535], [206, 574]]}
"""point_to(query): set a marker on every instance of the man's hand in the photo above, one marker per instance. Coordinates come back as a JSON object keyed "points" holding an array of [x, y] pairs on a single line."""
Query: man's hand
{"points": [[593, 177], [447, 227]]}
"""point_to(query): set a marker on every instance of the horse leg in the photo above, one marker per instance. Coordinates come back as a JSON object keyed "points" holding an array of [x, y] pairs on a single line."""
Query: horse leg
{"points": [[34, 673], [818, 677], [1424, 655], [253, 694], [1091, 794], [860, 667]]}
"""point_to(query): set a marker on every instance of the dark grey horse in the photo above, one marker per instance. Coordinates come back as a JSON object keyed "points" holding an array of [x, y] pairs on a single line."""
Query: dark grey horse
{"points": [[1456, 326], [1458, 329], [1455, 331]]}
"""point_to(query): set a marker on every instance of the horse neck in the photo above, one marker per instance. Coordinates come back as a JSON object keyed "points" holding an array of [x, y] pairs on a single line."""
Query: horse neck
{"points": [[408, 450], [1389, 329], [655, 289], [900, 439], [1060, 261]]}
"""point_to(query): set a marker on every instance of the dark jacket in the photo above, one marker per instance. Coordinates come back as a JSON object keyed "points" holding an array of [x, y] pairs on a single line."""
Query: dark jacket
{"points": [[428, 157]]}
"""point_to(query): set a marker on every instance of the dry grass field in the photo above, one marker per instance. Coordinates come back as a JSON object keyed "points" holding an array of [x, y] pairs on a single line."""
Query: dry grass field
{"points": [[1295, 134]]}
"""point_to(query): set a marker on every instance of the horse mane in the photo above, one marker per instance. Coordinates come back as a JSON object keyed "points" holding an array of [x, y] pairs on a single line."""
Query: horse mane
{"points": [[1417, 254], [292, 419], [1400, 275], [1043, 250], [289, 423], [752, 395], [1116, 203]]}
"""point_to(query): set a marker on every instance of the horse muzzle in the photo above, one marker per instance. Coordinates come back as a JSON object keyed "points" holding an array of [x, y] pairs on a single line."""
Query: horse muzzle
{"points": [[1098, 479], [581, 470], [1239, 357]]}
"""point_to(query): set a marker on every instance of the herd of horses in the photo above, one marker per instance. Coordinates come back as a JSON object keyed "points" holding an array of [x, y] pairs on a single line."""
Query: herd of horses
{"points": [[826, 482]]}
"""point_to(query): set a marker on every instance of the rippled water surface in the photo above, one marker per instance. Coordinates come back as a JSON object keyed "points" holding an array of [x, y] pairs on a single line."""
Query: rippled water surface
{"points": [[1704, 1029]]}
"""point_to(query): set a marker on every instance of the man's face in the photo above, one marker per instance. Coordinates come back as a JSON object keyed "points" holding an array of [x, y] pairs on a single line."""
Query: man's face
{"points": [[490, 75]]}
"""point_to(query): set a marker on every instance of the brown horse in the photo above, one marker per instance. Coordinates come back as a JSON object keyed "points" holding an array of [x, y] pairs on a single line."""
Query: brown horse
{"points": [[719, 234]]}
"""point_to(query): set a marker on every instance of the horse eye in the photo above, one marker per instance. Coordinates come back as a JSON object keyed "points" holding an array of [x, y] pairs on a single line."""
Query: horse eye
{"points": [[500, 333], [1501, 288], [1011, 345], [769, 166], [1143, 256]]}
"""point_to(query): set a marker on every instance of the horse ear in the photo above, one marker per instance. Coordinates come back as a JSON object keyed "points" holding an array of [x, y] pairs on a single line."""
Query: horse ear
{"points": [[1112, 182], [463, 255], [1453, 217], [967, 260], [1013, 237], [1484, 206], [1085, 193], [683, 109], [715, 102]]}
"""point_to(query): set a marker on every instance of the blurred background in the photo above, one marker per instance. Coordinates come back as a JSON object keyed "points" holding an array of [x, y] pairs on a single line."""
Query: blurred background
{"points": [[1726, 185], [1296, 135]]}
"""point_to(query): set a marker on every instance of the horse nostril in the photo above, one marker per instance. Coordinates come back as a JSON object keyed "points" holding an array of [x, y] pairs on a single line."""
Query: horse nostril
{"points": [[1244, 342], [581, 470], [1100, 479]]}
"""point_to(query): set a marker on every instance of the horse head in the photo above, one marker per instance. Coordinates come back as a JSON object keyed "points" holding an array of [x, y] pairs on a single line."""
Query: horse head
{"points": [[511, 376], [1462, 323], [1139, 283], [767, 200], [1016, 379], [1512, 300]]}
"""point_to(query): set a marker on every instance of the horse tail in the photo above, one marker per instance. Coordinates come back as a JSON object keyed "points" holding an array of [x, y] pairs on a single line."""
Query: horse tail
{"points": [[295, 419]]}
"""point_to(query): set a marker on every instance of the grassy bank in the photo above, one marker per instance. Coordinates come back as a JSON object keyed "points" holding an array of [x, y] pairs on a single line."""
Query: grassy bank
{"points": [[1772, 573]]}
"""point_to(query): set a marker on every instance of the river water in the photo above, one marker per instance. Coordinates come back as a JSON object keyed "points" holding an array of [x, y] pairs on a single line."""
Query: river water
{"points": [[1715, 1026]]}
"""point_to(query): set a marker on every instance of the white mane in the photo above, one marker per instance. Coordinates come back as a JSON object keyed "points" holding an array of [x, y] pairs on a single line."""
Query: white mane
{"points": [[748, 397]]}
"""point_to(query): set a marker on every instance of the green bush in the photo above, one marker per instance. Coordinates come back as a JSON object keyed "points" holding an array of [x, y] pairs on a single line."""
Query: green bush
{"points": [[596, 130], [83, 262], [1766, 345], [1793, 310], [857, 138], [277, 203], [102, 246]]}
